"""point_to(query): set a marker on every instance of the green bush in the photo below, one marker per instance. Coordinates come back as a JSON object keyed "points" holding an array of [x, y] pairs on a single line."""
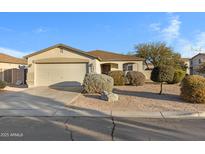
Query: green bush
{"points": [[162, 74], [97, 83], [193, 89], [118, 77], [178, 76], [2, 85], [135, 78]]}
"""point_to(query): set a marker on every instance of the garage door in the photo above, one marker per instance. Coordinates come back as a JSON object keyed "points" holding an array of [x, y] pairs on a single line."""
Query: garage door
{"points": [[60, 74]]}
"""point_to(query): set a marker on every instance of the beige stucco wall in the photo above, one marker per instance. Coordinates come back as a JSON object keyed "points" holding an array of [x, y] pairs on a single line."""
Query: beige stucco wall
{"points": [[8, 65], [97, 67], [53, 53], [137, 66], [147, 74]]}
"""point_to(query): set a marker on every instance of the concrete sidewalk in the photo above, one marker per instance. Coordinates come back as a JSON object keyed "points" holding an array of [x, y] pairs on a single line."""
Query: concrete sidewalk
{"points": [[79, 112], [165, 114]]}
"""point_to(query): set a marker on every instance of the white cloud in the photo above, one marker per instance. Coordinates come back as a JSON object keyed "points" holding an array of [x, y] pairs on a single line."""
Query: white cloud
{"points": [[200, 40], [185, 47], [155, 26], [189, 48], [41, 30], [171, 31], [171, 34], [12, 52]]}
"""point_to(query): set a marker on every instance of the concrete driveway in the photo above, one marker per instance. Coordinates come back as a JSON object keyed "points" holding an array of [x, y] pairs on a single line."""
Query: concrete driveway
{"points": [[40, 101]]}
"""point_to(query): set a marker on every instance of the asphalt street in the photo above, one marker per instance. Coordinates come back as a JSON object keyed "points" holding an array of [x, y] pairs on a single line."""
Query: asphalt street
{"points": [[100, 129]]}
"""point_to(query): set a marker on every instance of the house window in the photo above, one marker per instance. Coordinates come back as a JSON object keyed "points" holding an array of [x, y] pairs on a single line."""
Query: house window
{"points": [[199, 61], [127, 67]]}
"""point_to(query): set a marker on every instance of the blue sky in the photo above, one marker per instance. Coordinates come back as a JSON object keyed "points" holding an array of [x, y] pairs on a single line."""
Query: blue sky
{"points": [[23, 33]]}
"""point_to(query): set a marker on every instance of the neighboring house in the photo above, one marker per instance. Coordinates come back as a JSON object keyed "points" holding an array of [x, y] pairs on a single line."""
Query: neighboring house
{"points": [[195, 62], [64, 65], [12, 69]]}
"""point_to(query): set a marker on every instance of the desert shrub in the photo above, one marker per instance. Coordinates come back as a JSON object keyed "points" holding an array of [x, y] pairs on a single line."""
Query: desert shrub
{"points": [[118, 77], [162, 74], [193, 89], [2, 85], [135, 78], [178, 76], [97, 83]]}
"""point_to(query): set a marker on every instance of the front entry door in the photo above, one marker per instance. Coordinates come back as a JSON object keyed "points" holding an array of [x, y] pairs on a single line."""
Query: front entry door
{"points": [[105, 68]]}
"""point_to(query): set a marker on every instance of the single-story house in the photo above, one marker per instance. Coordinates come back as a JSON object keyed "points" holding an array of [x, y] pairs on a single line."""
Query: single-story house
{"points": [[12, 69], [62, 64]]}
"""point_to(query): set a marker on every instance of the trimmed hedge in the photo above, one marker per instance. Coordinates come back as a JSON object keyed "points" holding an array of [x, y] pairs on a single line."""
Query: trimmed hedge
{"points": [[193, 89], [135, 78], [97, 83], [178, 76], [2, 85], [118, 77], [162, 73]]}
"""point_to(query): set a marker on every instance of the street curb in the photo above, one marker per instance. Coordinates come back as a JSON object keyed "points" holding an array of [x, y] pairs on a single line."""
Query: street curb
{"points": [[136, 114], [164, 114]]}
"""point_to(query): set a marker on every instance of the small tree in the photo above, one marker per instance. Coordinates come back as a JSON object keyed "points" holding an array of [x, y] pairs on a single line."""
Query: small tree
{"points": [[178, 76], [162, 74], [158, 53]]}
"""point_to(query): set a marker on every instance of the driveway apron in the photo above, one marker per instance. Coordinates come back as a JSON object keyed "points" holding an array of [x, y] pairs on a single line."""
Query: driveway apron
{"points": [[38, 101]]}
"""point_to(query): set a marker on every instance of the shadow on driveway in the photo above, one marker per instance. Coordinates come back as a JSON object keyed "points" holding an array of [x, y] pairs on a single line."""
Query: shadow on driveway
{"points": [[40, 101], [71, 86]]}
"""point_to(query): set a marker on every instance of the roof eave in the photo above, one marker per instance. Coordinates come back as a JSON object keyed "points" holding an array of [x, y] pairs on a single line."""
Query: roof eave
{"points": [[122, 60], [13, 63], [60, 46]]}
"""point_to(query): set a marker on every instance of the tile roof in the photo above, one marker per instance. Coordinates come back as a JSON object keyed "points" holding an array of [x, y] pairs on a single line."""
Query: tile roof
{"points": [[63, 46], [110, 56], [4, 58]]}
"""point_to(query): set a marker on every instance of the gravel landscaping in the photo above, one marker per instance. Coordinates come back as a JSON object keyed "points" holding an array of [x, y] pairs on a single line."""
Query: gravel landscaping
{"points": [[141, 98]]}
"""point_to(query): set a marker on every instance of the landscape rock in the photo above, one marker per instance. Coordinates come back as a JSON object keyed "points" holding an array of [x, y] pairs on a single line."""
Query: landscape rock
{"points": [[109, 96]]}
